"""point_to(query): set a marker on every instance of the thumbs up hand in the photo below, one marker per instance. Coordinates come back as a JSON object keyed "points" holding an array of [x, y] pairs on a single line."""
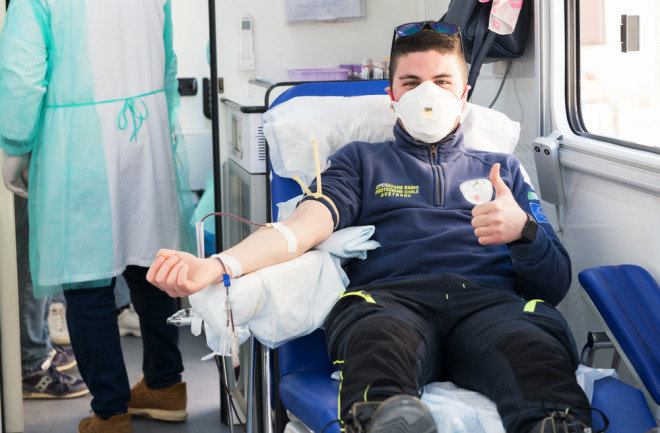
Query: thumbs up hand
{"points": [[501, 220]]}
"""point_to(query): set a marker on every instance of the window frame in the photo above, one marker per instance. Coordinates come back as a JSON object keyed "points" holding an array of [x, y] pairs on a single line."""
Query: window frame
{"points": [[572, 84]]}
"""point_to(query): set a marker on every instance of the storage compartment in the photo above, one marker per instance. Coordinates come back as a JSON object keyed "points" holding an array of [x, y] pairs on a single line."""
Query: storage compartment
{"points": [[318, 74]]}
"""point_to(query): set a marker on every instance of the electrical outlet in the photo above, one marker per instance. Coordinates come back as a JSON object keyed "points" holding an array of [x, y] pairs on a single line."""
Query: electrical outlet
{"points": [[187, 86]]}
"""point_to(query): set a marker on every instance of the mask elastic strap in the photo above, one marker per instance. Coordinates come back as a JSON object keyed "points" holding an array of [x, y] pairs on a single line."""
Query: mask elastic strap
{"points": [[464, 92], [389, 92]]}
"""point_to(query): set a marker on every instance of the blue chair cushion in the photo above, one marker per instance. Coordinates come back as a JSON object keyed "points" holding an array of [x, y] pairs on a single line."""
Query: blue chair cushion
{"points": [[313, 398], [305, 354], [624, 406], [628, 299]]}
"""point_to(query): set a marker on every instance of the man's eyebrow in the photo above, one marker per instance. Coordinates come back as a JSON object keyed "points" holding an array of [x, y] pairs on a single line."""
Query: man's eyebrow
{"points": [[415, 77], [444, 75], [408, 77]]}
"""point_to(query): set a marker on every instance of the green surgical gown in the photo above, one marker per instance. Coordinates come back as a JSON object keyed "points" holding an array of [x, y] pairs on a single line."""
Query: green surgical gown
{"points": [[89, 89]]}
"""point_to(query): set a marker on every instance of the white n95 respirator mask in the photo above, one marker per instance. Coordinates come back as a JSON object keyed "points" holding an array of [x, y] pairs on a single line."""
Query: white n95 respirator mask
{"points": [[428, 112]]}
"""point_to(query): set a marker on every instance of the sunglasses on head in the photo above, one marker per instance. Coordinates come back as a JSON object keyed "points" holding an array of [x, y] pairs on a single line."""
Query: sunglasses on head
{"points": [[412, 28]]}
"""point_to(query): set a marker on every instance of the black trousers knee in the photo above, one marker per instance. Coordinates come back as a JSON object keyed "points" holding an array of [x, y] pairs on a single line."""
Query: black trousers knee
{"points": [[379, 361]]}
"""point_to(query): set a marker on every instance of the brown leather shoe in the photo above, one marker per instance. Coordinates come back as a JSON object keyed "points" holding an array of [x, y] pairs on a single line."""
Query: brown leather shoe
{"points": [[114, 424], [165, 404]]}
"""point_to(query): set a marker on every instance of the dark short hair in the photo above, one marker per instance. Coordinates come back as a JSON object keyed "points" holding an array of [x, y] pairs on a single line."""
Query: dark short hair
{"points": [[427, 40]]}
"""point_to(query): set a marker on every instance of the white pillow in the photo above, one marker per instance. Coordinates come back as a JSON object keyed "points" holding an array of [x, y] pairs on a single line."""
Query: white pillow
{"points": [[333, 121]]}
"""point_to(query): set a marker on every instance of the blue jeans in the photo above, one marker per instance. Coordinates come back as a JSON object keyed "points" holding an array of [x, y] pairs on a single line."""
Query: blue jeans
{"points": [[92, 320], [122, 293], [35, 341]]}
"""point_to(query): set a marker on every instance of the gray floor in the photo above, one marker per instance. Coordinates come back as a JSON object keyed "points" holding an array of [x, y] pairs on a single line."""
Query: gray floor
{"points": [[60, 416]]}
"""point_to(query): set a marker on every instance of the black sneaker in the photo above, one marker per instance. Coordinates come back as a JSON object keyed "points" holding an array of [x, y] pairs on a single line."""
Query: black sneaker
{"points": [[50, 383], [561, 422], [402, 414], [62, 359]]}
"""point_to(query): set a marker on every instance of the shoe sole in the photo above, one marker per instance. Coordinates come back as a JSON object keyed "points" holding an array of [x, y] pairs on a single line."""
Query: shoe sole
{"points": [[126, 332], [66, 367], [402, 426], [408, 416], [61, 341], [40, 395], [160, 414]]}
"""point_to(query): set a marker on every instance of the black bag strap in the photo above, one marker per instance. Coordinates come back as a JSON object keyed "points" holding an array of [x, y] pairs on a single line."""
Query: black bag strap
{"points": [[481, 30], [483, 39]]}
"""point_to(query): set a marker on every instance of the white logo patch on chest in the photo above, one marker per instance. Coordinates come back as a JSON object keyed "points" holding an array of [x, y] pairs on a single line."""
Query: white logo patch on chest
{"points": [[477, 191]]}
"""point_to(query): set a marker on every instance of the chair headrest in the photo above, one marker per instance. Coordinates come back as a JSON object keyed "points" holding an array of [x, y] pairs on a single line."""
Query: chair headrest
{"points": [[333, 121]]}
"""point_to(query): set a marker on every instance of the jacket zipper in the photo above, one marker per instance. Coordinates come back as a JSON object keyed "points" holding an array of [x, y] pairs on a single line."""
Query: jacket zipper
{"points": [[437, 172]]}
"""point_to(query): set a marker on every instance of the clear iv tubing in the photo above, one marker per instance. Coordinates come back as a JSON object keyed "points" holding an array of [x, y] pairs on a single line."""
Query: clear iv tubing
{"points": [[230, 315], [225, 278], [232, 216]]}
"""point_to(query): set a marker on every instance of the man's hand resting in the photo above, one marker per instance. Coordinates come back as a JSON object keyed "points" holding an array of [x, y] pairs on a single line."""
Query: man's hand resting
{"points": [[181, 274]]}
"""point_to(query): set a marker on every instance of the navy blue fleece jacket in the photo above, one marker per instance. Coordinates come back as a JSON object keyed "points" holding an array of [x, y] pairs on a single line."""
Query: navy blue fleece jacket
{"points": [[420, 198]]}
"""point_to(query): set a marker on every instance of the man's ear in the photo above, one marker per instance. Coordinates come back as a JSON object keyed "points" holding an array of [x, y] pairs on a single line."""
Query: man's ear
{"points": [[389, 92], [465, 96]]}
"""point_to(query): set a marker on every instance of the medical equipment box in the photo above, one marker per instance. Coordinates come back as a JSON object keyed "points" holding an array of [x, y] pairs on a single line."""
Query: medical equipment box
{"points": [[244, 195], [244, 126]]}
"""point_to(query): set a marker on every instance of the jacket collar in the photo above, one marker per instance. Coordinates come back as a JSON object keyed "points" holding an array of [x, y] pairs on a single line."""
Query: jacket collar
{"points": [[452, 143]]}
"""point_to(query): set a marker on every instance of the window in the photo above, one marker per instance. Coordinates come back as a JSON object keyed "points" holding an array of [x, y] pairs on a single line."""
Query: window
{"points": [[617, 88]]}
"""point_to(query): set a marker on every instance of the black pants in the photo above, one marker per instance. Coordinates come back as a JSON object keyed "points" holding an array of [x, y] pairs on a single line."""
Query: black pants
{"points": [[92, 318], [408, 333]]}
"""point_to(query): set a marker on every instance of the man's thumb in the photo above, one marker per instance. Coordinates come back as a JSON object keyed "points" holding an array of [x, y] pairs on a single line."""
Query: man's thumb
{"points": [[495, 178]]}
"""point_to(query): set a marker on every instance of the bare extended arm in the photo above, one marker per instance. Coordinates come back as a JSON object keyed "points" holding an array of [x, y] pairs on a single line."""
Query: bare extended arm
{"points": [[182, 274]]}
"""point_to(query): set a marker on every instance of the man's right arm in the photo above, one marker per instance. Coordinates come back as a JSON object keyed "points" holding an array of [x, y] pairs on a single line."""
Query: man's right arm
{"points": [[182, 274]]}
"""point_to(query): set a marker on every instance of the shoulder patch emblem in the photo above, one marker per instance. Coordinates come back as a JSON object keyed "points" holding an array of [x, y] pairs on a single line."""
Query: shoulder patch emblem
{"points": [[477, 191], [538, 213]]}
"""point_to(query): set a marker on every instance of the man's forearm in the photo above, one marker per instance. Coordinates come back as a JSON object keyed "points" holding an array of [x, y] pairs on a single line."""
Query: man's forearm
{"points": [[310, 224], [181, 274]]}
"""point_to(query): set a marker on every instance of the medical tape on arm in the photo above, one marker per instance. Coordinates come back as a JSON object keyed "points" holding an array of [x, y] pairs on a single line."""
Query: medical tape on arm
{"points": [[291, 240], [319, 190], [233, 264]]}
